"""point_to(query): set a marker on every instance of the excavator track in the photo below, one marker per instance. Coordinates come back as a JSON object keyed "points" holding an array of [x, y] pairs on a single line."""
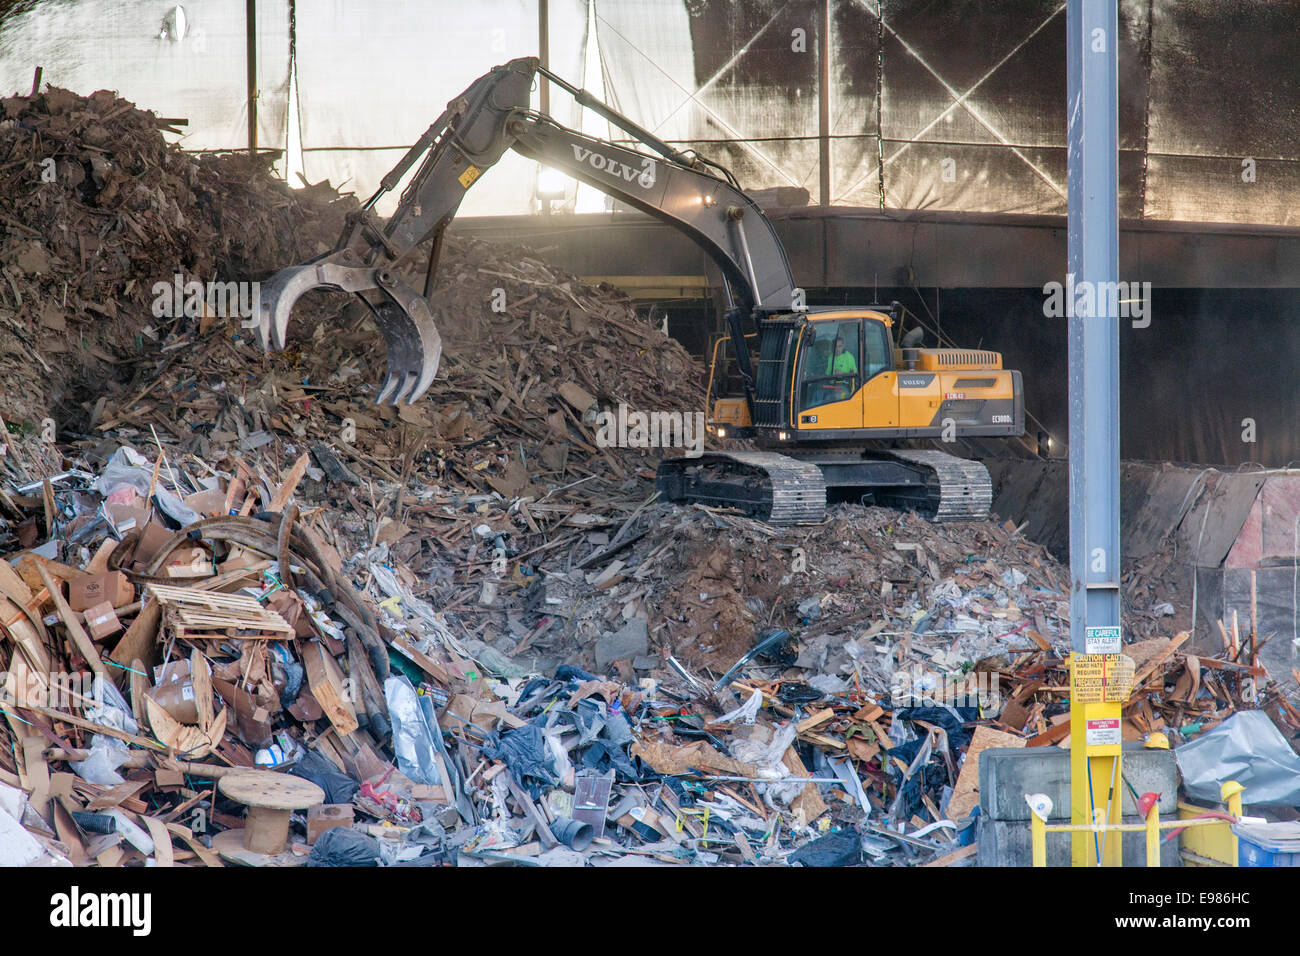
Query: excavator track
{"points": [[774, 488], [957, 489], [784, 490]]}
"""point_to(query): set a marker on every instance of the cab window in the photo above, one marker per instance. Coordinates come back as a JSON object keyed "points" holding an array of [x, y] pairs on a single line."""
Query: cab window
{"points": [[877, 349], [830, 370]]}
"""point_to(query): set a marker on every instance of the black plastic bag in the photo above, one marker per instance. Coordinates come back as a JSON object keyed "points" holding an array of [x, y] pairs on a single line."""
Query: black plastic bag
{"points": [[338, 786], [843, 848], [342, 846], [523, 750]]}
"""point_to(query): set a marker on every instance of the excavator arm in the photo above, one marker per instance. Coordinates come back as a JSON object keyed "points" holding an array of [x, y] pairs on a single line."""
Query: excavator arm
{"points": [[491, 116]]}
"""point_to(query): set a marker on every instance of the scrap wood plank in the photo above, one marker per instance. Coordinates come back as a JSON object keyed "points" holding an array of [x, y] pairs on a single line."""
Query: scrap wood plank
{"points": [[15, 625], [325, 681], [948, 859], [37, 773], [427, 664], [208, 857], [965, 796], [1053, 735], [140, 637], [113, 796], [162, 841], [816, 719], [1215, 664], [290, 485], [78, 634], [1174, 643], [15, 588], [99, 728], [68, 833]]}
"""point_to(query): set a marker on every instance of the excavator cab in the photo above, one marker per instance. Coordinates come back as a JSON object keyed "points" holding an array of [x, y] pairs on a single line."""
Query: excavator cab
{"points": [[844, 373]]}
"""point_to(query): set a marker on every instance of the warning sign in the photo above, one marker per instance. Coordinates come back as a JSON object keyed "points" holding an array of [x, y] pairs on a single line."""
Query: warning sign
{"points": [[1102, 640], [1102, 732], [1101, 678]]}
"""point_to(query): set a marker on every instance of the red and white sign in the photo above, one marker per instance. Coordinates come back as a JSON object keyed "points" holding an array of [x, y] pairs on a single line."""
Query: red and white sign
{"points": [[1102, 732]]}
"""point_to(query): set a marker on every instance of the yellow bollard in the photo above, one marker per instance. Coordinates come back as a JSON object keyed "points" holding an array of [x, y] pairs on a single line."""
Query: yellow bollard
{"points": [[1038, 836], [1230, 793], [1153, 834]]}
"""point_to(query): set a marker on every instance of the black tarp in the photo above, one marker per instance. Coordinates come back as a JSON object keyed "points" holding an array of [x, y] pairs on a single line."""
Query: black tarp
{"points": [[972, 113]]}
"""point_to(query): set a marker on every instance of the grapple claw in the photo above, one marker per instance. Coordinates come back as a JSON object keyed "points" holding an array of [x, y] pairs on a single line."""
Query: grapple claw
{"points": [[412, 341], [413, 344]]}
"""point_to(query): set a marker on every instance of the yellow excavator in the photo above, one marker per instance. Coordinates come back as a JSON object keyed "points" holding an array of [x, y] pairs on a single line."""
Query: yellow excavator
{"points": [[835, 398]]}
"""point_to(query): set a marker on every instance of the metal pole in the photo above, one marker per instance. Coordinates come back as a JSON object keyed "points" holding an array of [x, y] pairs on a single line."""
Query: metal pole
{"points": [[824, 102], [250, 18], [544, 52], [1093, 241]]}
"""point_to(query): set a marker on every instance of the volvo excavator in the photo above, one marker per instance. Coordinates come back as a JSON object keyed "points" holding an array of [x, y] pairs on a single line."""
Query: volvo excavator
{"points": [[832, 397]]}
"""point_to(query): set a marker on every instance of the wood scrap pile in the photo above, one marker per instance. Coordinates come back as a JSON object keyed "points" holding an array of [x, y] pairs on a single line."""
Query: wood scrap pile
{"points": [[501, 460], [171, 655], [1177, 691], [95, 208], [797, 685], [500, 464]]}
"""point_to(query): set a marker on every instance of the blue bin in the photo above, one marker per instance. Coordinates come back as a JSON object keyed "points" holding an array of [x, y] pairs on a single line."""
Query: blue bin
{"points": [[1268, 844]]}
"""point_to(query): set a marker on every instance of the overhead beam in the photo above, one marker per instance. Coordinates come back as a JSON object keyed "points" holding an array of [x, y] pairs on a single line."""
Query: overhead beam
{"points": [[848, 247]]}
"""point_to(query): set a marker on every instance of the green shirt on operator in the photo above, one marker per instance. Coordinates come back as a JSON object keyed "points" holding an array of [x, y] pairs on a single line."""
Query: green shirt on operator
{"points": [[842, 363]]}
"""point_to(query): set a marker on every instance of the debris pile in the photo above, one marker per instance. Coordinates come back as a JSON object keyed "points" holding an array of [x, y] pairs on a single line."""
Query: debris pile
{"points": [[247, 617], [95, 209], [730, 693]]}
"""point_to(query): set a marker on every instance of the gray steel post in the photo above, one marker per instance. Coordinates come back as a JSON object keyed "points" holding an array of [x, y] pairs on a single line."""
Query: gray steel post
{"points": [[1093, 130]]}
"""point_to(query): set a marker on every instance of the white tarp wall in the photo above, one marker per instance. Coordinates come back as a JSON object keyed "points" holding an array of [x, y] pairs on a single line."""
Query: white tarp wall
{"points": [[370, 76], [373, 76], [89, 45]]}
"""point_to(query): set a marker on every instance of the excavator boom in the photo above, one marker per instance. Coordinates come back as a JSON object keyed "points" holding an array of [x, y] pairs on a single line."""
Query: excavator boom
{"points": [[491, 116]]}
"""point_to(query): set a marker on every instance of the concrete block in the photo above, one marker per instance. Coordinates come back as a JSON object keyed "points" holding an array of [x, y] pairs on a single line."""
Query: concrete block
{"points": [[1009, 843], [1007, 774]]}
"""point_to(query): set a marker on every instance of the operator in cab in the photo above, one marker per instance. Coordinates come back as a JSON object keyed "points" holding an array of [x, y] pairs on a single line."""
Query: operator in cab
{"points": [[840, 363]]}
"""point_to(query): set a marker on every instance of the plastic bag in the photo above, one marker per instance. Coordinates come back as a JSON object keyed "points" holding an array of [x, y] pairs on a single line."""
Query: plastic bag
{"points": [[343, 846], [129, 469], [413, 742], [106, 755], [338, 786], [746, 712], [835, 849], [523, 750]]}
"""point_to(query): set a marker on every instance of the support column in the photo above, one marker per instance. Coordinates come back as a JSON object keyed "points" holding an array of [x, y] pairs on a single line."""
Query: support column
{"points": [[824, 102], [1092, 115], [544, 54], [250, 53]]}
